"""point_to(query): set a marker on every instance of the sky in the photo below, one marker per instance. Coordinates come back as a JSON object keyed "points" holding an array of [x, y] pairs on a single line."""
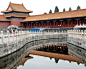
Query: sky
{"points": [[41, 6]]}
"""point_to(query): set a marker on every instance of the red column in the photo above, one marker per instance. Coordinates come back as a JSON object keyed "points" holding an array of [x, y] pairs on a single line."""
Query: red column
{"points": [[64, 23], [84, 22], [71, 23], [77, 21], [68, 23], [54, 48], [36, 24], [22, 24], [80, 21], [42, 24], [61, 23], [27, 25], [45, 24], [57, 24], [39, 24], [54, 25], [61, 48], [31, 25], [50, 24]]}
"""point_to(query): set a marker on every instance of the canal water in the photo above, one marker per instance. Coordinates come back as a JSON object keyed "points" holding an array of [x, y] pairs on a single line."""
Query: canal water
{"points": [[58, 46], [40, 62]]}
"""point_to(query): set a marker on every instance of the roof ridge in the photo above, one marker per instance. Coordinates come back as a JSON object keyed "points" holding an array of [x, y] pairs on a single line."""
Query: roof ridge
{"points": [[14, 7], [59, 12], [16, 3]]}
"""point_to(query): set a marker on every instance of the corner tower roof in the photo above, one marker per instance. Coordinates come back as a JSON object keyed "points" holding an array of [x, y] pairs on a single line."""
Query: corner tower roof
{"points": [[16, 7]]}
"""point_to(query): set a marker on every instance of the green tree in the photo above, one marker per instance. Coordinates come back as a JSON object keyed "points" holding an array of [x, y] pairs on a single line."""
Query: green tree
{"points": [[56, 9], [64, 10], [56, 60], [78, 7], [78, 63], [45, 13], [50, 58], [70, 61], [70, 9], [50, 11]]}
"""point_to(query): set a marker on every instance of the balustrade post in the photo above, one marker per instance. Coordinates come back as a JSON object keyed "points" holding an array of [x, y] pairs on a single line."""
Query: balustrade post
{"points": [[21, 37], [16, 40], [8, 36], [18, 35], [82, 38], [2, 36], [21, 32], [13, 37], [12, 31], [85, 38]]}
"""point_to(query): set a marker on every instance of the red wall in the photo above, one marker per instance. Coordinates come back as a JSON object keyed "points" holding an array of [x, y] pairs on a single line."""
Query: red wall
{"points": [[4, 24], [15, 23], [11, 23]]}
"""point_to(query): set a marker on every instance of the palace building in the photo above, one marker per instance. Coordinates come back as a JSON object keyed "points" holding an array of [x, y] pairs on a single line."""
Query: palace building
{"points": [[17, 14]]}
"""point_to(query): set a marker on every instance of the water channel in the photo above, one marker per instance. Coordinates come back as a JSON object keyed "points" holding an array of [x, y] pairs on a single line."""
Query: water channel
{"points": [[55, 53]]}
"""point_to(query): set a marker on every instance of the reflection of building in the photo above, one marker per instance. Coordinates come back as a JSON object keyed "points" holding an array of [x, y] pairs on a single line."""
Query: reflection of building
{"points": [[54, 55], [19, 15], [25, 59]]}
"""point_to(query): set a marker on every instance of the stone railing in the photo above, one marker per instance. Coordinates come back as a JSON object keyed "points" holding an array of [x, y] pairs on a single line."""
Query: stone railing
{"points": [[12, 42], [77, 37], [78, 53]]}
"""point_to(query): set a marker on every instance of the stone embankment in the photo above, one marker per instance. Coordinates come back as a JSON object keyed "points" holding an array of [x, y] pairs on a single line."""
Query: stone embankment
{"points": [[12, 42]]}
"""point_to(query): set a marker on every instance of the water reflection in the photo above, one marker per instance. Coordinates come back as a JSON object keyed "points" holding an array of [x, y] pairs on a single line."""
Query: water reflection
{"points": [[12, 61], [56, 60], [39, 62]]}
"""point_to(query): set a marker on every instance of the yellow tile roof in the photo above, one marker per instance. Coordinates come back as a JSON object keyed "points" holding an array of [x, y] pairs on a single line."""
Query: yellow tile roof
{"points": [[58, 15], [3, 18], [16, 7]]}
